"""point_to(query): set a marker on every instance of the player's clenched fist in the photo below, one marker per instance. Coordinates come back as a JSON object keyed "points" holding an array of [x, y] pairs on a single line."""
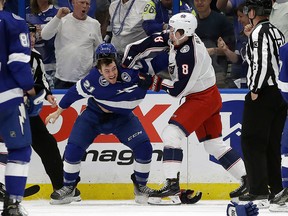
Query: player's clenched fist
{"points": [[63, 11]]}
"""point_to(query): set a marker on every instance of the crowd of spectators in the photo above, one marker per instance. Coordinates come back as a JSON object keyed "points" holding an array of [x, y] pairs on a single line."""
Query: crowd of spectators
{"points": [[220, 26]]}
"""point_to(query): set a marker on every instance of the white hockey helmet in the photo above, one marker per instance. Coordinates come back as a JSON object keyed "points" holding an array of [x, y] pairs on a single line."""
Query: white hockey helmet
{"points": [[185, 21]]}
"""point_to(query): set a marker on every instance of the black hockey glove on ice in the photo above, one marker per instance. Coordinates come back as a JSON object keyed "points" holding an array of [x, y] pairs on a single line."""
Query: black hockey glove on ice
{"points": [[187, 196]]}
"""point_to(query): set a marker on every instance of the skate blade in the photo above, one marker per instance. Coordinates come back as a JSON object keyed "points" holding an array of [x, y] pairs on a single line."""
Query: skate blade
{"points": [[141, 199], [235, 199], [171, 200], [61, 202], [261, 204], [278, 208], [76, 199]]}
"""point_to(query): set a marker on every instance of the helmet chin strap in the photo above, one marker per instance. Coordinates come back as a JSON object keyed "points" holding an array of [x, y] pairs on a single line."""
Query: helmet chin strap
{"points": [[177, 42], [251, 19]]}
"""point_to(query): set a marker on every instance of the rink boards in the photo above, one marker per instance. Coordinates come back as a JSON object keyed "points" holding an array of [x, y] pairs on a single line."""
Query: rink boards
{"points": [[107, 165]]}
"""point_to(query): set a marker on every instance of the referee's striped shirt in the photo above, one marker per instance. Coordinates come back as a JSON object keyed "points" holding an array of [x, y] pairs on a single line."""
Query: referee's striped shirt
{"points": [[263, 56], [38, 71]]}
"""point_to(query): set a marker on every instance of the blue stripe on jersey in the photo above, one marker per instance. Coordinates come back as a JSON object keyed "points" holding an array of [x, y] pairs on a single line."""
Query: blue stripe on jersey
{"points": [[172, 154], [228, 159]]}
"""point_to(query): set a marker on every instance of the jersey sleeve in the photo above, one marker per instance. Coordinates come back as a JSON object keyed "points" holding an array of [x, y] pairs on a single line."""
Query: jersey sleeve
{"points": [[283, 76], [150, 24], [140, 49], [19, 52], [70, 97]]}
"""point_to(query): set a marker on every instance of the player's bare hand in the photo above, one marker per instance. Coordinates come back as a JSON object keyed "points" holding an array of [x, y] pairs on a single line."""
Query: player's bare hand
{"points": [[52, 100], [52, 117], [63, 11]]}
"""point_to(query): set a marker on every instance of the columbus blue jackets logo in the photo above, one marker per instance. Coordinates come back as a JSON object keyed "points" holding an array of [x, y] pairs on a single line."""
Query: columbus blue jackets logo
{"points": [[231, 113], [185, 49]]}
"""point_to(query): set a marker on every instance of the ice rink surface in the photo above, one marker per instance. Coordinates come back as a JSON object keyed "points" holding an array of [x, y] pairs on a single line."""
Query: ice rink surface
{"points": [[129, 208]]}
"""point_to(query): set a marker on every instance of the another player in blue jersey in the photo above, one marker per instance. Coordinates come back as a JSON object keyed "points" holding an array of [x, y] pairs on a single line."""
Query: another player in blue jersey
{"points": [[113, 94], [277, 204], [15, 80]]}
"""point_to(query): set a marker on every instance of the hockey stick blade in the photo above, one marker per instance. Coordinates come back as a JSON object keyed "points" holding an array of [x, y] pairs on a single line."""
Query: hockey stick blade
{"points": [[29, 191], [170, 200]]}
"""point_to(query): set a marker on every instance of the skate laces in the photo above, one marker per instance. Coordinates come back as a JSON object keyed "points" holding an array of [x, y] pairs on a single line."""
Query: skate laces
{"points": [[66, 190], [166, 185], [145, 190], [16, 209], [169, 184]]}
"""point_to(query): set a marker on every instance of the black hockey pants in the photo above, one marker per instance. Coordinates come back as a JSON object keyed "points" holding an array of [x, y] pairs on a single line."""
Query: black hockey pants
{"points": [[263, 122], [45, 145]]}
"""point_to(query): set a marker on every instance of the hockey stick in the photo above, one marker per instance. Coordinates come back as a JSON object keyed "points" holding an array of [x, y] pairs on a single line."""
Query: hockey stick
{"points": [[29, 191], [187, 196]]}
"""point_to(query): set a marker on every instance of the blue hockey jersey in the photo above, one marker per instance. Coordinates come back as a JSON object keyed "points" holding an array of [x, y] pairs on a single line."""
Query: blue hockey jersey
{"points": [[45, 47], [283, 75], [15, 70], [121, 97]]}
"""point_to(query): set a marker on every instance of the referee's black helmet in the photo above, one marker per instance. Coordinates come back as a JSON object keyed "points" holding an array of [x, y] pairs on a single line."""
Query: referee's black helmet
{"points": [[261, 7]]}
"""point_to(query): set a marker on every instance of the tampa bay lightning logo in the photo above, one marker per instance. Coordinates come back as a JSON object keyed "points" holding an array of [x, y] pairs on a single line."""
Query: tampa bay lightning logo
{"points": [[103, 82], [231, 113], [126, 77]]}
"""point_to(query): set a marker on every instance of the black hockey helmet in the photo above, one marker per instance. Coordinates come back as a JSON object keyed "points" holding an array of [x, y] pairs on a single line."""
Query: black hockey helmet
{"points": [[261, 7]]}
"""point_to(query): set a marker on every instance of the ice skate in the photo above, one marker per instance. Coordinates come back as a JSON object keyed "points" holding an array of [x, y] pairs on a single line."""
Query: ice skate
{"points": [[63, 196], [76, 197], [13, 207], [171, 190], [260, 200], [141, 192], [241, 190], [277, 204], [2, 192]]}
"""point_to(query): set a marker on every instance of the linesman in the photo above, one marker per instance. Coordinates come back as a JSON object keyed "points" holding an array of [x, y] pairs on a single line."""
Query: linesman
{"points": [[264, 108]]}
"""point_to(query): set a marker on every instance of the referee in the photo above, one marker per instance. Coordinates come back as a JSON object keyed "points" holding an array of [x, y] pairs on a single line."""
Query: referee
{"points": [[264, 108]]}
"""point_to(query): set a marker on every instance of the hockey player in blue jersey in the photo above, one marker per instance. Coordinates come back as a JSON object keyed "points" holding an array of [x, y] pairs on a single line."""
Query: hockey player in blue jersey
{"points": [[277, 204], [15, 80], [112, 93]]}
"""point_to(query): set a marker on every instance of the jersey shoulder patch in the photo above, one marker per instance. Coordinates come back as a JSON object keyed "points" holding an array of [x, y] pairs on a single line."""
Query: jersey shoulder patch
{"points": [[185, 49]]}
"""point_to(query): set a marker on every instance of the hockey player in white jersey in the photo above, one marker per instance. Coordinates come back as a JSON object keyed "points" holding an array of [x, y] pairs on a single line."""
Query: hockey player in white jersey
{"points": [[192, 77]]}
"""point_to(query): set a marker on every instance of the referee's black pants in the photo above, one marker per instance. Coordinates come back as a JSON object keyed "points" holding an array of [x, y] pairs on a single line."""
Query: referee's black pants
{"points": [[45, 145], [262, 126]]}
